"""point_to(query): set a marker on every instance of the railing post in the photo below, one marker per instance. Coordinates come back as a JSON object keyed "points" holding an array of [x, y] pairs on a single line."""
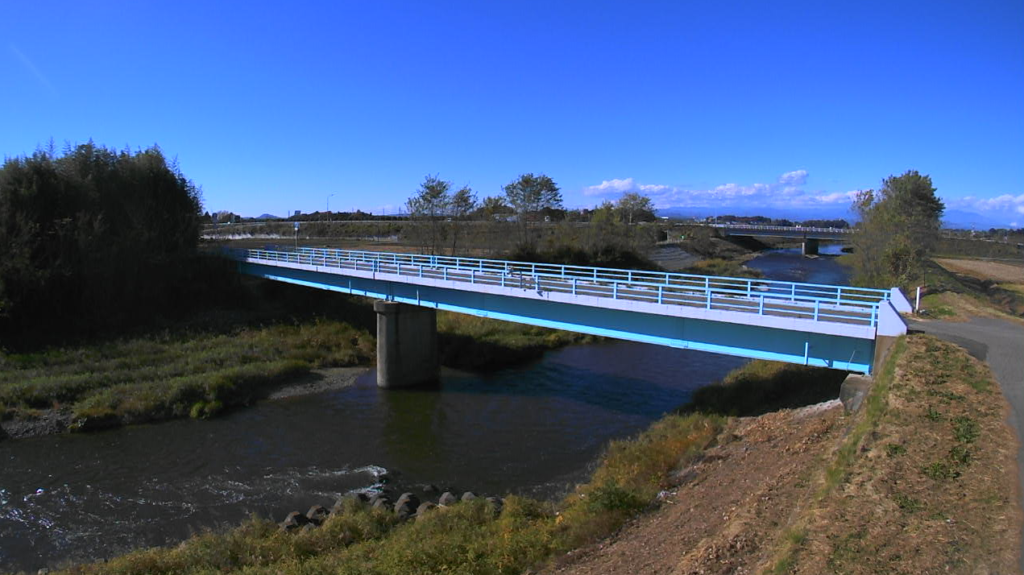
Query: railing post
{"points": [[817, 309], [445, 273], [472, 276], [709, 299], [615, 290], [661, 294], [760, 307], [573, 286], [792, 294]]}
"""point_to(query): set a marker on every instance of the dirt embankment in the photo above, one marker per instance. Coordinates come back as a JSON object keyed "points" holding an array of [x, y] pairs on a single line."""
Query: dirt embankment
{"points": [[922, 480], [726, 517]]}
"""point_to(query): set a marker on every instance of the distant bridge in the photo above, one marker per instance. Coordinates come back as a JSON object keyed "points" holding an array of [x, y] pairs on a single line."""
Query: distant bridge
{"points": [[838, 327], [810, 236]]}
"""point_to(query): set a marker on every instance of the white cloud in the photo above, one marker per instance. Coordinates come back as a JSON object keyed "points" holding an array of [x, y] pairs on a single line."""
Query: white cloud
{"points": [[1003, 204], [786, 192], [794, 178], [611, 187]]}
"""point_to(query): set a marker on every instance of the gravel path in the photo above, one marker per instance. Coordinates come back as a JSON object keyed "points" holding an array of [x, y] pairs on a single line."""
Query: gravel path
{"points": [[999, 343]]}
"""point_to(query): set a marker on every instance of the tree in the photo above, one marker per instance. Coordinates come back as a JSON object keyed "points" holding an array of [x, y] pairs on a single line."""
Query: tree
{"points": [[492, 206], [529, 194], [427, 207], [635, 207], [224, 217], [460, 205], [95, 234], [899, 225]]}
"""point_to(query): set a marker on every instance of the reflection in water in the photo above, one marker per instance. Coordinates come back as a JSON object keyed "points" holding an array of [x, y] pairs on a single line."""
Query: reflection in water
{"points": [[413, 426], [532, 430]]}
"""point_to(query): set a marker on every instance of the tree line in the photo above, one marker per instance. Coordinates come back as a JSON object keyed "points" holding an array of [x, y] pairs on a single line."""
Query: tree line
{"points": [[92, 237], [444, 211]]}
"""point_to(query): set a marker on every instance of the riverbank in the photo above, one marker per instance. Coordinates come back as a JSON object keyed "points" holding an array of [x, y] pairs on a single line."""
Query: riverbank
{"points": [[167, 376], [199, 374], [920, 480]]}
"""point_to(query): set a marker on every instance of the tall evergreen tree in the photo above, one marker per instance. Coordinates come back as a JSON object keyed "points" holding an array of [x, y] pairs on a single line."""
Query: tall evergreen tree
{"points": [[899, 225]]}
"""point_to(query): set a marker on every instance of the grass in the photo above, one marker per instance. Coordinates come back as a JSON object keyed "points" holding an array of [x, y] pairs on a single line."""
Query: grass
{"points": [[466, 538], [967, 288], [161, 377], [965, 429], [916, 487], [936, 306], [907, 503], [895, 449]]}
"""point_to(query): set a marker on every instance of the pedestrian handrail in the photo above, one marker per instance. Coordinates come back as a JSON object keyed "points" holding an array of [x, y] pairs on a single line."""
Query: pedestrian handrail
{"points": [[819, 302], [783, 228]]}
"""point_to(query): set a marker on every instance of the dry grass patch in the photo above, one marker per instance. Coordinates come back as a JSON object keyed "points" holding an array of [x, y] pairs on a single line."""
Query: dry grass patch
{"points": [[984, 270], [931, 486], [166, 376], [950, 306]]}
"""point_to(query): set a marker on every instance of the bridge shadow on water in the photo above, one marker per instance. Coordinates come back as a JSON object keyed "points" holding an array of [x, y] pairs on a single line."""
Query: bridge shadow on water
{"points": [[763, 388]]}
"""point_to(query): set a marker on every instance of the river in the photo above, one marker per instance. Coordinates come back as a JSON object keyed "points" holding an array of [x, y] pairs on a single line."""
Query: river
{"points": [[535, 430]]}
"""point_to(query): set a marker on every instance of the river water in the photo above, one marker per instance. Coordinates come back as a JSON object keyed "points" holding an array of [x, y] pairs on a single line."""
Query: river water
{"points": [[535, 430]]}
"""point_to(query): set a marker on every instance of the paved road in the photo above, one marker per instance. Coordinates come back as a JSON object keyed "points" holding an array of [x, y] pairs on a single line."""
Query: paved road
{"points": [[1001, 344]]}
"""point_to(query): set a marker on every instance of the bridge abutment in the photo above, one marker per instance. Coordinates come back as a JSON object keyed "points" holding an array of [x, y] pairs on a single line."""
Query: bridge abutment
{"points": [[810, 247], [406, 344]]}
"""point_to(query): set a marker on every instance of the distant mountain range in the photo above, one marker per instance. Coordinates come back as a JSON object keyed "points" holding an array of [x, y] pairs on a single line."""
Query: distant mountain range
{"points": [[268, 217], [961, 219]]}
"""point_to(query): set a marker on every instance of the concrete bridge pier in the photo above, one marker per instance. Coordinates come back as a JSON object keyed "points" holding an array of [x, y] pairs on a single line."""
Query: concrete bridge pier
{"points": [[406, 344], [810, 247]]}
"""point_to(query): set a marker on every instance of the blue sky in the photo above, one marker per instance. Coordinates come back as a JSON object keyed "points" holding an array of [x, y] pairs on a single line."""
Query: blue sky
{"points": [[722, 106]]}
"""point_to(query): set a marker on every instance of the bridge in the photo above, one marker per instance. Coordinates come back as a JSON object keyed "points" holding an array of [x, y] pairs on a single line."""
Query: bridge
{"points": [[837, 327], [811, 236]]}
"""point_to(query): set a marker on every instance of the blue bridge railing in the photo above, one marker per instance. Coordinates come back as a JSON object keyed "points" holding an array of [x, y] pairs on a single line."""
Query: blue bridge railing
{"points": [[818, 302]]}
